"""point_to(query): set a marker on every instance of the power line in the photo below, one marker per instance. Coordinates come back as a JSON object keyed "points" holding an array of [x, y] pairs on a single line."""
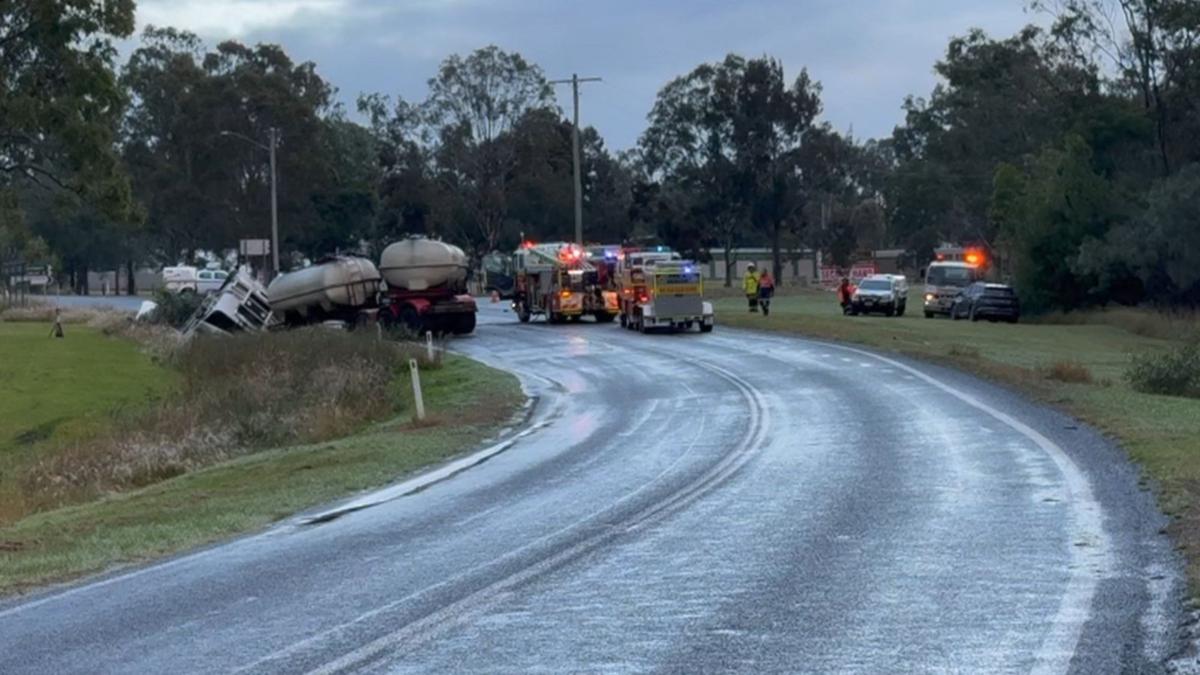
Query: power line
{"points": [[574, 82]]}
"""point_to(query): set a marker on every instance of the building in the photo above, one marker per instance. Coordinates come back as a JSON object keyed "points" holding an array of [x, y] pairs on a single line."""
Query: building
{"points": [[800, 268]]}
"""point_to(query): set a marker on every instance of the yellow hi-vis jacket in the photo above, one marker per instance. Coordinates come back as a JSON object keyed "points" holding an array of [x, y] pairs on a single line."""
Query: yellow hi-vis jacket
{"points": [[750, 282]]}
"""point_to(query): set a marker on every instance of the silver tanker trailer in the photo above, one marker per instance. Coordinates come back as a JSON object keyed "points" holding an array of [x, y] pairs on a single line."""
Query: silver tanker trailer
{"points": [[420, 285]]}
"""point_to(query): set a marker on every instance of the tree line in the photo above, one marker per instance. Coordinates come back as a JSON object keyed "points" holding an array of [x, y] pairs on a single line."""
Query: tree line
{"points": [[1071, 153]]}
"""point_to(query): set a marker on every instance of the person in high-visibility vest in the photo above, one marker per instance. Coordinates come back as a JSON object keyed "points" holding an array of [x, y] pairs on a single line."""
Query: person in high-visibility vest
{"points": [[766, 289], [750, 286]]}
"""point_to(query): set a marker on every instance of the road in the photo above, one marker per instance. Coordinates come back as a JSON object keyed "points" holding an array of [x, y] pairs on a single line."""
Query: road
{"points": [[120, 302], [684, 503]]}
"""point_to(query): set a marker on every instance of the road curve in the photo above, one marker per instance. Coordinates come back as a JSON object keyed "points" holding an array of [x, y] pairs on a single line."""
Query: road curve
{"points": [[727, 502]]}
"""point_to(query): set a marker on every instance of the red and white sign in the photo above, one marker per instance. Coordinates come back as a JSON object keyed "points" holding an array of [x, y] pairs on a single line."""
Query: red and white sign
{"points": [[832, 276]]}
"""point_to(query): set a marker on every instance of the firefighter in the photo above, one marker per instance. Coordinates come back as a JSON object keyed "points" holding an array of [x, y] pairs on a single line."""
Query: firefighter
{"points": [[750, 286], [766, 288]]}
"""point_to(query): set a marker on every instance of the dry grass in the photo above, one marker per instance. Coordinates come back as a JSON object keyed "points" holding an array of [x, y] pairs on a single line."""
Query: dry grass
{"points": [[1071, 372], [236, 395], [1162, 325], [964, 351], [44, 313]]}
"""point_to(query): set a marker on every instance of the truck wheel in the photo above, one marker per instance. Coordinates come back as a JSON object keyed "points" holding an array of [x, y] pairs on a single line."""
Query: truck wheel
{"points": [[706, 328], [891, 311], [928, 314], [624, 322], [464, 324], [604, 317], [410, 320], [523, 312]]}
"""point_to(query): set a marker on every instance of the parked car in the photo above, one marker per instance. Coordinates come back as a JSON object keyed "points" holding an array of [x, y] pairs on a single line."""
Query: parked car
{"points": [[184, 279], [884, 293], [981, 300]]}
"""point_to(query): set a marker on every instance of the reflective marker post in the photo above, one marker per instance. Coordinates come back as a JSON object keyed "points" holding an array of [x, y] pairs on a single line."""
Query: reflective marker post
{"points": [[429, 345], [416, 382]]}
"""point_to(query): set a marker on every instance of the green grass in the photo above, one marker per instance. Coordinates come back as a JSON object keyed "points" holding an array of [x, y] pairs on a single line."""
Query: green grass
{"points": [[53, 391], [1162, 433], [466, 402]]}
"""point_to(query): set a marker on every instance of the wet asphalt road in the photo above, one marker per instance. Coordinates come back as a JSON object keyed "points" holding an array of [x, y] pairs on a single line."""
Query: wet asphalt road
{"points": [[684, 503], [118, 302]]}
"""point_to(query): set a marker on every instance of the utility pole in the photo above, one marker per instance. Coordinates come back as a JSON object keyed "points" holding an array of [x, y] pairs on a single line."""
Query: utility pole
{"points": [[574, 82], [270, 147], [274, 206]]}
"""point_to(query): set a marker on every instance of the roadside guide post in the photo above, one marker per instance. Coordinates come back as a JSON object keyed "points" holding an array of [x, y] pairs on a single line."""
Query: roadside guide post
{"points": [[416, 382], [429, 345]]}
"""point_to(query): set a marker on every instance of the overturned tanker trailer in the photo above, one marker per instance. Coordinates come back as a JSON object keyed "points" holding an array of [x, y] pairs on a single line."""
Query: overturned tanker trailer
{"points": [[339, 288]]}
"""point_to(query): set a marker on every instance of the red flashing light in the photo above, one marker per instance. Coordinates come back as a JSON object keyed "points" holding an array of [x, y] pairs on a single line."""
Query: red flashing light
{"points": [[643, 298], [527, 244], [941, 256], [565, 294]]}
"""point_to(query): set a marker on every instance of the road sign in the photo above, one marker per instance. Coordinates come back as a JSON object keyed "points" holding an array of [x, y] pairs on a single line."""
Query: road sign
{"points": [[249, 247]]}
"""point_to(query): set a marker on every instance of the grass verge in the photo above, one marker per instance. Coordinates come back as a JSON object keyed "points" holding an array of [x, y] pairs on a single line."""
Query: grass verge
{"points": [[57, 391], [1079, 365], [466, 401]]}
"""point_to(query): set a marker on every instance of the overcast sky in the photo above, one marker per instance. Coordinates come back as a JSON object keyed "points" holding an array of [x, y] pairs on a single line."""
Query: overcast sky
{"points": [[867, 54]]}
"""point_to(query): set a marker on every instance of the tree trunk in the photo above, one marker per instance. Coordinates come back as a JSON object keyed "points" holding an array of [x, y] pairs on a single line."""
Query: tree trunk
{"points": [[729, 263], [130, 284], [776, 254]]}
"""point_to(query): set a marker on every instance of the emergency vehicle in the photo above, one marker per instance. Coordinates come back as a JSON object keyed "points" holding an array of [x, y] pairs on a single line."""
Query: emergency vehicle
{"points": [[557, 281], [659, 290]]}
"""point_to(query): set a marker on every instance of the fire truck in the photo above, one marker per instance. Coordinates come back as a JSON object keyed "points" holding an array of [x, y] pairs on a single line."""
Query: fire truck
{"points": [[556, 280], [660, 290]]}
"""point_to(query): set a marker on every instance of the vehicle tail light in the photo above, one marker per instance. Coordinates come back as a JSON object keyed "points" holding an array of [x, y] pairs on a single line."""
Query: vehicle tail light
{"points": [[565, 294], [643, 298]]}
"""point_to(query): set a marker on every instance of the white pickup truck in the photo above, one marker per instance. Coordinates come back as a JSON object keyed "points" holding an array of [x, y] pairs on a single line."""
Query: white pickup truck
{"points": [[187, 279]]}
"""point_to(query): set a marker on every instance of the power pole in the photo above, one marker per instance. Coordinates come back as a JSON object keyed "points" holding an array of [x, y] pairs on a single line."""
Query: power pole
{"points": [[274, 207], [574, 82]]}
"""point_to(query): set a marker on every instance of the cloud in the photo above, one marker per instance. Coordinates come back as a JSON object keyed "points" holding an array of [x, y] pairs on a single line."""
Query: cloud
{"points": [[868, 54], [236, 18]]}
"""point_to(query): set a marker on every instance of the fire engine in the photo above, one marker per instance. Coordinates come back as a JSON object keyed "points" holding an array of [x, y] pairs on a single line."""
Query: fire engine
{"points": [[556, 280], [660, 290]]}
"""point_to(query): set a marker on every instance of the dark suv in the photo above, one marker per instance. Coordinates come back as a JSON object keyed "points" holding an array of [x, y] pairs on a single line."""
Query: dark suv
{"points": [[981, 300]]}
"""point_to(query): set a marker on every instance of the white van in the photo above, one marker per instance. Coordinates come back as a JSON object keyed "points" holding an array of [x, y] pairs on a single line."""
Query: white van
{"points": [[187, 279], [944, 280]]}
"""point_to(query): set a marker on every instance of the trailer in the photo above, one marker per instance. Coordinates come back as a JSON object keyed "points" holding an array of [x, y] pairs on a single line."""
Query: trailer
{"points": [[426, 287], [666, 294]]}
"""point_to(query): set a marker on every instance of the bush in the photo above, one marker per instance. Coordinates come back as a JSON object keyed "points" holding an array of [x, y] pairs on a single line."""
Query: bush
{"points": [[174, 309], [1175, 372], [236, 395]]}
